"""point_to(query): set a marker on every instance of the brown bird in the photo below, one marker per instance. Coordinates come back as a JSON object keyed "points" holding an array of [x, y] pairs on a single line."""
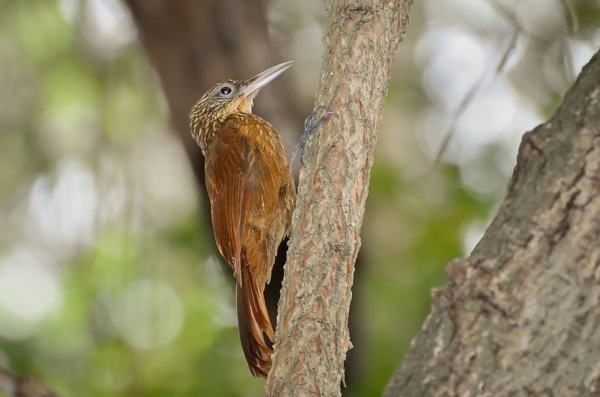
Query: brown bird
{"points": [[252, 196]]}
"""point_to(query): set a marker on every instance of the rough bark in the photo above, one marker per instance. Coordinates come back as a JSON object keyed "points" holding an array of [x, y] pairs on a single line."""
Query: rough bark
{"points": [[521, 315], [312, 337]]}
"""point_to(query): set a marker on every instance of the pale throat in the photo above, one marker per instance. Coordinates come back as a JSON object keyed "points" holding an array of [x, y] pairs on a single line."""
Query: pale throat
{"points": [[245, 105]]}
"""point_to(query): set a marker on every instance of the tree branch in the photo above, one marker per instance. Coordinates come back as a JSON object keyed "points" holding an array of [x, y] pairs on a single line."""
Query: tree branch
{"points": [[312, 337], [520, 316]]}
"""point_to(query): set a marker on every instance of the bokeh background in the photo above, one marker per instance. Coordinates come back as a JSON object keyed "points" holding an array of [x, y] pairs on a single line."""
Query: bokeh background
{"points": [[109, 282]]}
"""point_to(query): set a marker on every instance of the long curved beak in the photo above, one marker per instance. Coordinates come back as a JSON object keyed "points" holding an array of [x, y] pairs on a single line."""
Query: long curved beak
{"points": [[262, 79]]}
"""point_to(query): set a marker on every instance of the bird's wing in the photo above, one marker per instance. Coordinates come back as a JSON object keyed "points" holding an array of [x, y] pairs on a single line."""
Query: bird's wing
{"points": [[241, 184], [234, 177], [227, 161]]}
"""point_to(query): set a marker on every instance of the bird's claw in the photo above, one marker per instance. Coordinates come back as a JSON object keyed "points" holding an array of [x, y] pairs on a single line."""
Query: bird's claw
{"points": [[310, 126]]}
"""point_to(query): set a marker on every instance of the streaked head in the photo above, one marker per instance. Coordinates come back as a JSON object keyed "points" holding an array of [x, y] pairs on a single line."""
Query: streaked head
{"points": [[225, 99]]}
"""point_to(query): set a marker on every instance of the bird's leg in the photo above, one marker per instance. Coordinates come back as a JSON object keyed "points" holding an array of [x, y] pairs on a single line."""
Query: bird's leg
{"points": [[310, 126]]}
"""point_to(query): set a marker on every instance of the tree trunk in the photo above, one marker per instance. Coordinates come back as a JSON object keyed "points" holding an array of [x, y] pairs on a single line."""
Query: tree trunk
{"points": [[521, 315], [312, 335]]}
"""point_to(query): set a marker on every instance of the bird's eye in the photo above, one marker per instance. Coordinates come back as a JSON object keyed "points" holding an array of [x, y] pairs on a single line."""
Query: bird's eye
{"points": [[225, 90]]}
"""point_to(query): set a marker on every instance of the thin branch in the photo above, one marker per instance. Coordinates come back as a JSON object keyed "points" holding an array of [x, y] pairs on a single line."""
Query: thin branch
{"points": [[468, 98]]}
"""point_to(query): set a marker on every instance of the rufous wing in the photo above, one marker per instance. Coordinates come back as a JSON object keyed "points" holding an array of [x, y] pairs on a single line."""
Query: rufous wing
{"points": [[230, 188]]}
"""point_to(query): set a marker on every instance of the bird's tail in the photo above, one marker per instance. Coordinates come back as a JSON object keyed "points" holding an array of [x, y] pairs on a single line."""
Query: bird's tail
{"points": [[254, 323]]}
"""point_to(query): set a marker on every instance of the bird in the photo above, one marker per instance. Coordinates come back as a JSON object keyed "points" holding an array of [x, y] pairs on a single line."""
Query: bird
{"points": [[252, 196]]}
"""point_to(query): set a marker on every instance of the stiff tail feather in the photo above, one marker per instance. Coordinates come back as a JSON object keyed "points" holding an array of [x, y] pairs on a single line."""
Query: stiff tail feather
{"points": [[254, 323]]}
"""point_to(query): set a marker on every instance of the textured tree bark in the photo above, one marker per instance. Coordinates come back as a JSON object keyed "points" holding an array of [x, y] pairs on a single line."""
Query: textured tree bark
{"points": [[521, 315], [312, 335]]}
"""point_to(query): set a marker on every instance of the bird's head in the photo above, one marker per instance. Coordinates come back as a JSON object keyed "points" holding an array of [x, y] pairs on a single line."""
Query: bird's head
{"points": [[225, 99]]}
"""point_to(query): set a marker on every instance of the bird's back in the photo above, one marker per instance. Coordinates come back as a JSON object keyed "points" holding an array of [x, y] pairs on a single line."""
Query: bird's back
{"points": [[252, 197]]}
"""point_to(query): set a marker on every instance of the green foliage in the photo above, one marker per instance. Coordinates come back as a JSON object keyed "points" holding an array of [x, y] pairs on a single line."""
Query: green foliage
{"points": [[143, 307], [109, 285]]}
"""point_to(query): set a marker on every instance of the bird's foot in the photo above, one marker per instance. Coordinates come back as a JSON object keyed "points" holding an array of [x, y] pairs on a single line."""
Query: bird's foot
{"points": [[310, 126]]}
